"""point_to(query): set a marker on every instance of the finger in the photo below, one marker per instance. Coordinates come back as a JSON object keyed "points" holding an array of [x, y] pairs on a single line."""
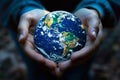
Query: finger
{"points": [[58, 72], [31, 53], [100, 36], [88, 51], [23, 28], [78, 57], [64, 66], [93, 27], [51, 65], [30, 39], [83, 54], [37, 56]]}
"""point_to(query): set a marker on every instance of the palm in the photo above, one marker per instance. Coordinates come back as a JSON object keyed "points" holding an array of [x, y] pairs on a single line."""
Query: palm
{"points": [[25, 28], [93, 28]]}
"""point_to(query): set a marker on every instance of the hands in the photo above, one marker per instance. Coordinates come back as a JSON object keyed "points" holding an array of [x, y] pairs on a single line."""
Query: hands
{"points": [[93, 28], [27, 22]]}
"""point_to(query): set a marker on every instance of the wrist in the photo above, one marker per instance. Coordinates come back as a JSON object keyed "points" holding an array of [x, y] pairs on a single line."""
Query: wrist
{"points": [[26, 9], [95, 12]]}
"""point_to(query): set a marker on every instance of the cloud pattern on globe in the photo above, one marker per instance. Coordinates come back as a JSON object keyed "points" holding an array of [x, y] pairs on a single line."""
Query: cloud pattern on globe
{"points": [[59, 34]]}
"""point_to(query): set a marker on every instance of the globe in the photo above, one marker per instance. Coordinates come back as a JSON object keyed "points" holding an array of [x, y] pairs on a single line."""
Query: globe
{"points": [[59, 34]]}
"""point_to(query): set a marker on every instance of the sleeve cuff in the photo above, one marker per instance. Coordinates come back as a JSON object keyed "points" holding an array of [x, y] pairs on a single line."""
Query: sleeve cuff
{"points": [[97, 8], [26, 9]]}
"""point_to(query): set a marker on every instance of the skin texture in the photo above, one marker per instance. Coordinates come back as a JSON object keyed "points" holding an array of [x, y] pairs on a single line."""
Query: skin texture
{"points": [[26, 25], [93, 26]]}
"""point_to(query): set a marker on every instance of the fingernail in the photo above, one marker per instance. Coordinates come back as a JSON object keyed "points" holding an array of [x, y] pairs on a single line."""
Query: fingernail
{"points": [[94, 34], [21, 36]]}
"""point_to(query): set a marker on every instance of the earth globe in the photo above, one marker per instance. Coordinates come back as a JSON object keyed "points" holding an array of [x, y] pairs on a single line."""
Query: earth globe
{"points": [[59, 34]]}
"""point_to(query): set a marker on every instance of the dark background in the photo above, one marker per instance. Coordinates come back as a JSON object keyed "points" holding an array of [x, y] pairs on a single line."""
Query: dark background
{"points": [[106, 66]]}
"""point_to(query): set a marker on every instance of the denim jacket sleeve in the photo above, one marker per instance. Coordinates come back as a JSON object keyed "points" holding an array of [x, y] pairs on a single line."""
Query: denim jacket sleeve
{"points": [[10, 11], [109, 10]]}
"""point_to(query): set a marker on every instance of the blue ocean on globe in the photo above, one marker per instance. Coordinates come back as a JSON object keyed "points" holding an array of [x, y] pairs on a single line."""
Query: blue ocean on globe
{"points": [[59, 34]]}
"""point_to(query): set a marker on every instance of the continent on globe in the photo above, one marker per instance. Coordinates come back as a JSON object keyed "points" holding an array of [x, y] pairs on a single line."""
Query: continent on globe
{"points": [[59, 34]]}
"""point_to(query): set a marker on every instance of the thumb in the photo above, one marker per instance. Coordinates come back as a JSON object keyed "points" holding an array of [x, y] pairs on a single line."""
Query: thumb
{"points": [[93, 27], [23, 27]]}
